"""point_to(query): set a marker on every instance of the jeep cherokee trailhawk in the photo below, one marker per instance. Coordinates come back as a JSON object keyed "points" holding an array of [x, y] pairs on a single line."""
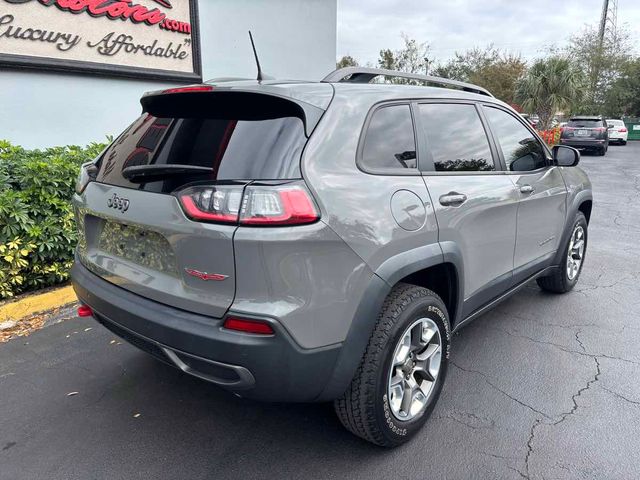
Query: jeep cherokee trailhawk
{"points": [[320, 241]]}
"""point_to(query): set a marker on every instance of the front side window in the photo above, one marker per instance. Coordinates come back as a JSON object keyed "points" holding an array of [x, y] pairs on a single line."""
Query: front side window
{"points": [[521, 149], [390, 141], [455, 138]]}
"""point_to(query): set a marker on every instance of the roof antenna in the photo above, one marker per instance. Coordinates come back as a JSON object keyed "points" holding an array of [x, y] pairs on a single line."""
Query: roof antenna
{"points": [[255, 54]]}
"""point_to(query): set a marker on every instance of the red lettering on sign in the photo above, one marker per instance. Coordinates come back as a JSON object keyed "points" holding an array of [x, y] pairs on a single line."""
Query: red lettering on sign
{"points": [[119, 10]]}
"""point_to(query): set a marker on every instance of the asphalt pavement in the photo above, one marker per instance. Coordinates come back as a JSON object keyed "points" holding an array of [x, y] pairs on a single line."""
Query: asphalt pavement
{"points": [[544, 386]]}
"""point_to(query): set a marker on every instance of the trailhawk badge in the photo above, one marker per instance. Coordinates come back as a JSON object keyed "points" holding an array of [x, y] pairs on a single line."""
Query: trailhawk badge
{"points": [[206, 276]]}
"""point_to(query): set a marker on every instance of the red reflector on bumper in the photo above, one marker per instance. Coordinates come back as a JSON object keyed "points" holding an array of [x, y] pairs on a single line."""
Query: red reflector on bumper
{"points": [[85, 311], [248, 326]]}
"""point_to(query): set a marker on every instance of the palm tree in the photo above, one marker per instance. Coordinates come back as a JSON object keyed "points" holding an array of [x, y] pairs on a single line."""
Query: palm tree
{"points": [[550, 85]]}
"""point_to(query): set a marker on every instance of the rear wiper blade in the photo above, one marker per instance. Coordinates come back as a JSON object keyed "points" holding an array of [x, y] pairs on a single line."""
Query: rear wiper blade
{"points": [[149, 173]]}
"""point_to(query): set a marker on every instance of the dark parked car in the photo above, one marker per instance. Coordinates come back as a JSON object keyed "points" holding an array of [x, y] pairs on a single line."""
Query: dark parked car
{"points": [[296, 241], [586, 133]]}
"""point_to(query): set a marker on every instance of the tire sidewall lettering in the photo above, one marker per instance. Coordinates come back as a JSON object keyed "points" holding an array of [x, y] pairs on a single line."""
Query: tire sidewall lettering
{"points": [[399, 429]]}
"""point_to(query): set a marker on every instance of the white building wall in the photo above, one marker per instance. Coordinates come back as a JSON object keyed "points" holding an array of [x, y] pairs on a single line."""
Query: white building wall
{"points": [[296, 39]]}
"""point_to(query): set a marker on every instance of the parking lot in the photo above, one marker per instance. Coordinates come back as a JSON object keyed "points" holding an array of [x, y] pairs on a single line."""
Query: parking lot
{"points": [[544, 386]]}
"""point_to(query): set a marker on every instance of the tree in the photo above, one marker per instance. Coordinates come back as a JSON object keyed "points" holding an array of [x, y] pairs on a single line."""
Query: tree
{"points": [[463, 65], [346, 61], [623, 97], [412, 58], [551, 84], [601, 64], [387, 60], [490, 68], [501, 77]]}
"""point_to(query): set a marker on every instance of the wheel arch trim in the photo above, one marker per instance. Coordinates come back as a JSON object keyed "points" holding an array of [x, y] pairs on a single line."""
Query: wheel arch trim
{"points": [[385, 277], [572, 209]]}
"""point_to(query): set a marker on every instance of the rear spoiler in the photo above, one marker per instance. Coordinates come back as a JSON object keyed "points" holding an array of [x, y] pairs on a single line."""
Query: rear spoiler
{"points": [[207, 101]]}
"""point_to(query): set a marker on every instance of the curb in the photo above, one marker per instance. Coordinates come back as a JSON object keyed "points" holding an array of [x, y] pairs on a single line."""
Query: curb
{"points": [[31, 304]]}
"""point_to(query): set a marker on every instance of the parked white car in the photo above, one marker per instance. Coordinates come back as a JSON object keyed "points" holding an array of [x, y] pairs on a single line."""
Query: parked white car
{"points": [[618, 132]]}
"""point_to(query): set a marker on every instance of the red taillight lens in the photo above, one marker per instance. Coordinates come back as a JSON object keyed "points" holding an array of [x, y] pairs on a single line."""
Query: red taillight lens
{"points": [[248, 326], [622, 130], [212, 203], [255, 205], [600, 129], [192, 88], [85, 311], [277, 205]]}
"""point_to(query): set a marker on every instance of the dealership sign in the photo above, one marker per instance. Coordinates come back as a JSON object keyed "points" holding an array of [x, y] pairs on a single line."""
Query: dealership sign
{"points": [[135, 38]]}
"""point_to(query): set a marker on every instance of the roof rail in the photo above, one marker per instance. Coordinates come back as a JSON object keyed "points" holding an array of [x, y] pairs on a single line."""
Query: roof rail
{"points": [[365, 75]]}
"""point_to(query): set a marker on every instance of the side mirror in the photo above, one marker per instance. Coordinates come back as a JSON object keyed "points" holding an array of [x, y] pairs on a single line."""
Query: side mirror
{"points": [[565, 156]]}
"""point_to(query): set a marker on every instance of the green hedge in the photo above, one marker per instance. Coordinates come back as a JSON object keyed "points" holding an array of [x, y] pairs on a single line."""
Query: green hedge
{"points": [[37, 228]]}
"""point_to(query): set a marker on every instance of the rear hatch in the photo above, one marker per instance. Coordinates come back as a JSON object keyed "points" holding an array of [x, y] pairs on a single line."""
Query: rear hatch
{"points": [[584, 129], [141, 221]]}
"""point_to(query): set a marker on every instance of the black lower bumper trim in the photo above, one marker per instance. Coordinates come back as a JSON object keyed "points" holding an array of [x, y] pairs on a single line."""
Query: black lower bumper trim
{"points": [[231, 376], [264, 367]]}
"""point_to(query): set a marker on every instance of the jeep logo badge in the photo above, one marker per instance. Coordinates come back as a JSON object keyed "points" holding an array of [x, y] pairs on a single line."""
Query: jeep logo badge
{"points": [[119, 203]]}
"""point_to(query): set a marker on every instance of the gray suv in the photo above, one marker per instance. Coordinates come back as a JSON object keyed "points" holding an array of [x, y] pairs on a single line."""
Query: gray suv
{"points": [[321, 241]]}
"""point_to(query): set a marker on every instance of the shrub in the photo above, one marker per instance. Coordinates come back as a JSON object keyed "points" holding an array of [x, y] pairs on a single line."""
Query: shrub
{"points": [[552, 136], [37, 230]]}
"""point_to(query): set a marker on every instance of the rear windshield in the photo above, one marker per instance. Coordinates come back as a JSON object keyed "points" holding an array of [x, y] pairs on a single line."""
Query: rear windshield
{"points": [[577, 122], [234, 149], [618, 123]]}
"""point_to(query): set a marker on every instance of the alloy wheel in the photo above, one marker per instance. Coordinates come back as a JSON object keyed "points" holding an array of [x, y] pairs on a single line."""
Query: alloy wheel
{"points": [[575, 253], [414, 371]]}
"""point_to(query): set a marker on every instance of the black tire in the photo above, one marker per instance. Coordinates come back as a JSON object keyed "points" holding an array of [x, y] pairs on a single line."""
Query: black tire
{"points": [[559, 281], [364, 408], [623, 142], [601, 152]]}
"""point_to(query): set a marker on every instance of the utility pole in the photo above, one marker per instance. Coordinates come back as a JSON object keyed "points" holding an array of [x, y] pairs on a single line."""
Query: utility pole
{"points": [[608, 21], [608, 32]]}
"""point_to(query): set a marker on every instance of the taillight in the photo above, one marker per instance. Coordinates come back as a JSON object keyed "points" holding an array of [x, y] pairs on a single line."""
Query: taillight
{"points": [[600, 129], [87, 174], [219, 203], [277, 205], [622, 130], [255, 205], [248, 326]]}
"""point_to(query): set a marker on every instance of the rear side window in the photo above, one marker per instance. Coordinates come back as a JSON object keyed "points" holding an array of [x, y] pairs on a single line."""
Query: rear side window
{"points": [[389, 142], [233, 148], [522, 151], [456, 139], [585, 123]]}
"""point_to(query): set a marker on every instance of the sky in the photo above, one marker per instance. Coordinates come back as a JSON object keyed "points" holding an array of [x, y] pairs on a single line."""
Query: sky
{"points": [[519, 26]]}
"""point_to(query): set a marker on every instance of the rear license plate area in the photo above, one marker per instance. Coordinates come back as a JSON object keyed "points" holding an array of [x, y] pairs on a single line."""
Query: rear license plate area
{"points": [[137, 245]]}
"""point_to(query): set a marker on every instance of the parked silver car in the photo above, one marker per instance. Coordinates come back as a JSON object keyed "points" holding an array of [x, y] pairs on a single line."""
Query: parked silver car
{"points": [[321, 241]]}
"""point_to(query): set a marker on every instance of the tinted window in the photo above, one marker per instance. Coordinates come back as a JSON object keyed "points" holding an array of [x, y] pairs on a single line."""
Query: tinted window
{"points": [[235, 149], [584, 123], [456, 138], [390, 141], [522, 151]]}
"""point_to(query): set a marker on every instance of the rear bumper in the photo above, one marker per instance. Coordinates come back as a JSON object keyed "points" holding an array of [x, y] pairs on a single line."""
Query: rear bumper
{"points": [[618, 138], [584, 143], [270, 367]]}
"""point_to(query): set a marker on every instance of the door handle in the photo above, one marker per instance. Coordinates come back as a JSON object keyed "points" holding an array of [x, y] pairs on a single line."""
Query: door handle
{"points": [[452, 199], [526, 189]]}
